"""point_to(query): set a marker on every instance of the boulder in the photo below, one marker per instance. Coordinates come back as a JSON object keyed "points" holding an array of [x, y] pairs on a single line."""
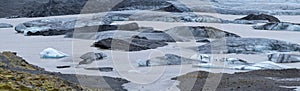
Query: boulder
{"points": [[260, 17], [188, 33], [5, 25], [284, 58], [128, 44], [278, 26], [248, 46], [168, 59], [52, 53]]}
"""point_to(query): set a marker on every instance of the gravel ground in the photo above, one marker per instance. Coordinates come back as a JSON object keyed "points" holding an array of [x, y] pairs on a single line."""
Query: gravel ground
{"points": [[263, 80]]}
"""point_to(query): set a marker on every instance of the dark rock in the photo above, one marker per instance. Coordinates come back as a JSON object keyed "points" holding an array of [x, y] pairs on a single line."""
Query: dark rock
{"points": [[138, 37], [248, 46], [279, 26], [128, 44], [203, 40], [61, 67], [260, 17], [284, 58], [102, 69], [5, 25]]}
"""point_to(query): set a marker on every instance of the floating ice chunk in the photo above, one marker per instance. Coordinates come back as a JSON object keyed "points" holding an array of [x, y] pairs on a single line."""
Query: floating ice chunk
{"points": [[143, 63], [270, 65], [261, 65], [35, 29], [245, 67], [201, 57], [235, 61], [134, 71], [284, 57], [209, 65], [52, 53]]}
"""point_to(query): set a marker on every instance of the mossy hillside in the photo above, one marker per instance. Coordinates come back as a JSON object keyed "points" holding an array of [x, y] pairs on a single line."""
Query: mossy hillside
{"points": [[18, 75]]}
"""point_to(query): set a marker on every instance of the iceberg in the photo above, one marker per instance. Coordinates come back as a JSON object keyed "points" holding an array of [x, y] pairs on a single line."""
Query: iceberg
{"points": [[142, 63], [261, 66], [52, 53], [32, 30], [245, 67], [235, 61], [256, 66], [270, 65], [209, 65], [201, 57], [284, 58], [167, 59]]}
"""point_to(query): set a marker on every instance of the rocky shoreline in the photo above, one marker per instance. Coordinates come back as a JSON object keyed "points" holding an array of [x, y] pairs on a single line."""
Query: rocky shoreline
{"points": [[260, 80], [17, 74]]}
